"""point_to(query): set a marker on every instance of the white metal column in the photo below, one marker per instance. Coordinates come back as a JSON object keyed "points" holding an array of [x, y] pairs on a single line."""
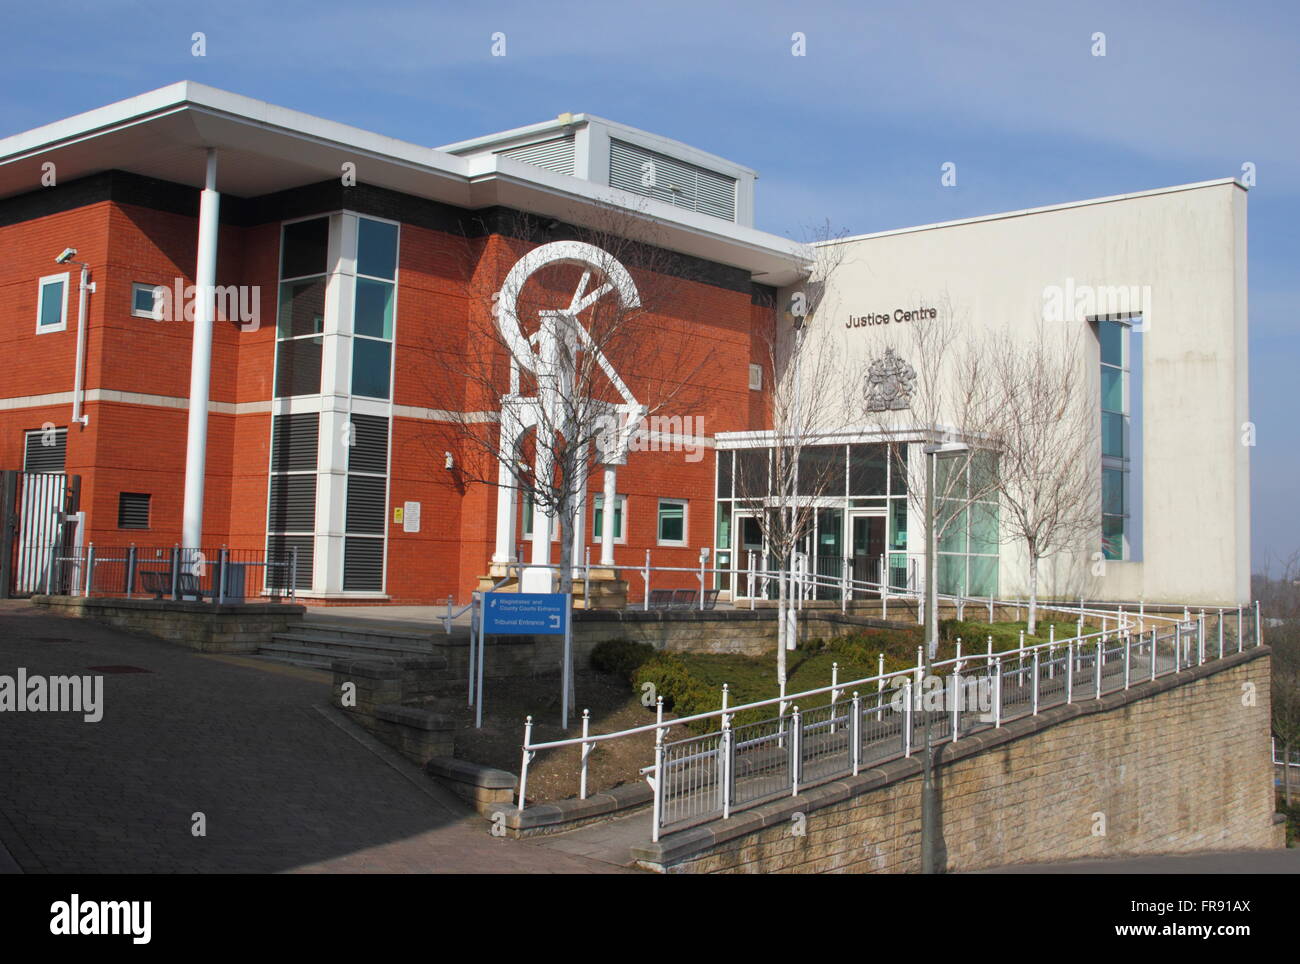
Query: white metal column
{"points": [[205, 279], [610, 503]]}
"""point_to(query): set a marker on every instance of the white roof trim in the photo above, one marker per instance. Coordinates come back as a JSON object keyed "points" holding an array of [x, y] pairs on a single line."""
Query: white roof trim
{"points": [[1039, 210]]}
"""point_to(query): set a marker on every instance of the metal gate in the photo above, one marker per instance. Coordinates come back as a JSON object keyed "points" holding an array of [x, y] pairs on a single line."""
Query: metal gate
{"points": [[39, 521]]}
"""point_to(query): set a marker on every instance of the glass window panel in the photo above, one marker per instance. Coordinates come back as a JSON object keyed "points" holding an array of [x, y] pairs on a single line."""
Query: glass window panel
{"points": [[821, 470], [1111, 336], [598, 516], [751, 473], [983, 576], [1112, 434], [1112, 491], [898, 472], [984, 528], [1112, 537], [1112, 389], [724, 475], [950, 475], [306, 246], [302, 308], [142, 299], [952, 574], [830, 523], [376, 248], [724, 527], [983, 474], [952, 527], [899, 525], [374, 309], [672, 522], [370, 367], [297, 367], [867, 470], [51, 303]]}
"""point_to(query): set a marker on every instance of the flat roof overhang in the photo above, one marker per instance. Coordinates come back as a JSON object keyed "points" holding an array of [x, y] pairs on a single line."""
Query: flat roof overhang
{"points": [[262, 149]]}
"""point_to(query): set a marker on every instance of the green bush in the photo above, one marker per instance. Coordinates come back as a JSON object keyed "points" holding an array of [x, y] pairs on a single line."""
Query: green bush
{"points": [[682, 692], [621, 657]]}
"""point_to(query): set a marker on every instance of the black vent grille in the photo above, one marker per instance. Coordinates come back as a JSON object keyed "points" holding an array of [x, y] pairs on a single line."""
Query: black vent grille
{"points": [[133, 510], [369, 450], [366, 504], [293, 503], [294, 442], [363, 564], [46, 451], [279, 554]]}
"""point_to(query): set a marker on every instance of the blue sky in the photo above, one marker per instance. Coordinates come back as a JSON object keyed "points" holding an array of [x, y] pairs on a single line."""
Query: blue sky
{"points": [[853, 132]]}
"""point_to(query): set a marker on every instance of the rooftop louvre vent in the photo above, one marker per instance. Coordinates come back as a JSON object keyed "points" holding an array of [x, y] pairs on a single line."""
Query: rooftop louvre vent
{"points": [[679, 183]]}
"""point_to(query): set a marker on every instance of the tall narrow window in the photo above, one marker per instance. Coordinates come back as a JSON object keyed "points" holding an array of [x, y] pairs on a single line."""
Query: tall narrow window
{"points": [[1121, 438], [372, 346], [598, 518], [52, 303], [304, 251]]}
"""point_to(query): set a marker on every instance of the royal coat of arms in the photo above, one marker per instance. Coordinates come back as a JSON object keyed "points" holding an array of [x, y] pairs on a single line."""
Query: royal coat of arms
{"points": [[890, 382]]}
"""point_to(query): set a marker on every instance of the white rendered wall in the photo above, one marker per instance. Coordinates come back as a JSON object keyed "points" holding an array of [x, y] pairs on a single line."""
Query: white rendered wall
{"points": [[1186, 249]]}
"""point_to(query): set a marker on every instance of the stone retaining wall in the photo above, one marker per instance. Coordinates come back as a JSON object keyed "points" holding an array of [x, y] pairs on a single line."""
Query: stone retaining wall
{"points": [[234, 628], [1178, 765]]}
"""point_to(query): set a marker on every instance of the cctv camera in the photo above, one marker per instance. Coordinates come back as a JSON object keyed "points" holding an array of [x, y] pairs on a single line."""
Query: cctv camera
{"points": [[68, 254]]}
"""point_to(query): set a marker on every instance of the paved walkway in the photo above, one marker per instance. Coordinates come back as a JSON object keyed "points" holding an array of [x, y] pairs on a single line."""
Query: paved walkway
{"points": [[285, 783]]}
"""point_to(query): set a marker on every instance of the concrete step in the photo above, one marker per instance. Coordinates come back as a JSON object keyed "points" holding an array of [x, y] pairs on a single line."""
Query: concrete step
{"points": [[348, 632], [311, 649], [410, 647], [297, 655]]}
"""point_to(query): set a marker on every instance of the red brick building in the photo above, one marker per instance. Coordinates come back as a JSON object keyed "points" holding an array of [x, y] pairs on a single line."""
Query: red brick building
{"points": [[351, 270]]}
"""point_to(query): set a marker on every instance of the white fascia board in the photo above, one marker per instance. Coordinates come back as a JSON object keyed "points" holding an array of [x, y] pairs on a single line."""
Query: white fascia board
{"points": [[481, 169], [850, 434], [1038, 210], [187, 94]]}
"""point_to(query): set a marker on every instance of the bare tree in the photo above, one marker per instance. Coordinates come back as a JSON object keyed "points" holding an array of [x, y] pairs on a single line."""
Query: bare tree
{"points": [[1047, 439], [570, 340], [779, 484], [947, 395]]}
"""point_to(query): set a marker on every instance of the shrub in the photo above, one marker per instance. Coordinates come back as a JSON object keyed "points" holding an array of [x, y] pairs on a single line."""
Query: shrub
{"points": [[621, 657]]}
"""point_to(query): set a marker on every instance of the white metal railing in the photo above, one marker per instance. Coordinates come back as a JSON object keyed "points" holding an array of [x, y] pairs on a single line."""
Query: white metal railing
{"points": [[219, 574], [883, 717], [1278, 754]]}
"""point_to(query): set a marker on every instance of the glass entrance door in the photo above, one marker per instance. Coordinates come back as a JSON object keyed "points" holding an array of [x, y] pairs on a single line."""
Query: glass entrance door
{"points": [[748, 536], [868, 547]]}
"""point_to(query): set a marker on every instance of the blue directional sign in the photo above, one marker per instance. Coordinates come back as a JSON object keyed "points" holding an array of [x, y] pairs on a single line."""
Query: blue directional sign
{"points": [[525, 613]]}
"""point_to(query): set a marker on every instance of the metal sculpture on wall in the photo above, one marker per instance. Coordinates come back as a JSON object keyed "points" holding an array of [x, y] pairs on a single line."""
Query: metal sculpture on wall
{"points": [[550, 355], [890, 383]]}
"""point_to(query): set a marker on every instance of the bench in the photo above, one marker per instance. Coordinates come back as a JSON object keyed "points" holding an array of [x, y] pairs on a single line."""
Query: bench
{"points": [[682, 599], [159, 582]]}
